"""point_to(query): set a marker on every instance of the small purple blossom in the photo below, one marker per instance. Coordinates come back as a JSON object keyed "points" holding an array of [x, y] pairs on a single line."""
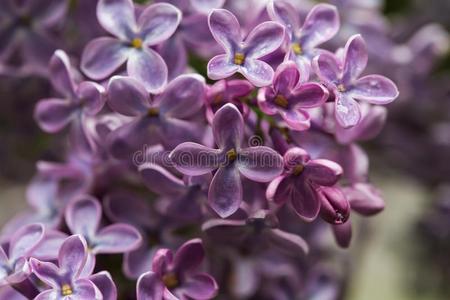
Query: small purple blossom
{"points": [[300, 180], [243, 56], [132, 42], [342, 78], [175, 276], [231, 160], [289, 97]]}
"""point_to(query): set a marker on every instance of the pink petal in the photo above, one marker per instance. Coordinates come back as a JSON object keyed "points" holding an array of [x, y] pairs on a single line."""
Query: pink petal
{"points": [[304, 201]]}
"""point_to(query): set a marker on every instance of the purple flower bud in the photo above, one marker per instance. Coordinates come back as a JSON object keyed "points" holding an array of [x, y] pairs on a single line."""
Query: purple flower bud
{"points": [[334, 207]]}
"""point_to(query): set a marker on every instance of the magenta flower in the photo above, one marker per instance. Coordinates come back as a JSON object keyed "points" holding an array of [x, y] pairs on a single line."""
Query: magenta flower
{"points": [[176, 276], [22, 244], [132, 42], [289, 97], [160, 119], [66, 279], [321, 24], [83, 217], [243, 56], [260, 164], [80, 99], [300, 180], [341, 77]]}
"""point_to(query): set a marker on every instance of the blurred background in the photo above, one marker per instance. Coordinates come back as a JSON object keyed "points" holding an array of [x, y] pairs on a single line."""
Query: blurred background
{"points": [[402, 253]]}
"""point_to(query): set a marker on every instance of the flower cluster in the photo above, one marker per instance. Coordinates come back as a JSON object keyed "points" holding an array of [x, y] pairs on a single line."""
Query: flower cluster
{"points": [[246, 127]]}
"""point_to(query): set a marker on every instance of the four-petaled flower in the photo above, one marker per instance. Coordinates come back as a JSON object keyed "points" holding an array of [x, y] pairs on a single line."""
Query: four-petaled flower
{"points": [[155, 24], [321, 24], [288, 96], [83, 217], [260, 164], [300, 180], [243, 56], [176, 276], [340, 74]]}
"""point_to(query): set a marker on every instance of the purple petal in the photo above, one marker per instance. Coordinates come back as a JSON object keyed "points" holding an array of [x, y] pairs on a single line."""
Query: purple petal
{"points": [[334, 207], [189, 256], [183, 97], [158, 22], [103, 281], [309, 95], [53, 115], [149, 287], [303, 64], [258, 72], [85, 289], [286, 78], [117, 238], [260, 164], [138, 261], [194, 159], [225, 29], [174, 53], [205, 6], [47, 295], [365, 199], [296, 119], [127, 96], [278, 190], [117, 17], [60, 74], [72, 255], [304, 201], [355, 58], [175, 131], [295, 156], [148, 67], [92, 95], [49, 247], [288, 242], [263, 39], [327, 67], [321, 24], [228, 127], [46, 271], [375, 89], [220, 67], [323, 172], [25, 240], [162, 261], [343, 234], [200, 286], [347, 111], [161, 181], [285, 13], [102, 56], [225, 191], [83, 216]]}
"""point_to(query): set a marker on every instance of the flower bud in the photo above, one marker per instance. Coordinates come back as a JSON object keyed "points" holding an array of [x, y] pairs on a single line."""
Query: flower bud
{"points": [[335, 208]]}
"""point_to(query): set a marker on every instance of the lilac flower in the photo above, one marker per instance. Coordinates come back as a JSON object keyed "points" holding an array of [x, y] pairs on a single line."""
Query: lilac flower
{"points": [[27, 30], [260, 163], [80, 100], [341, 77], [176, 276], [83, 217], [66, 279], [321, 24], [289, 97], [243, 56], [21, 246], [132, 42], [164, 118], [300, 180]]}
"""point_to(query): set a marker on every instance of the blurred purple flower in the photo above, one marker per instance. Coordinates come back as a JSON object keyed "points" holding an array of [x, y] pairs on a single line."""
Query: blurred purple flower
{"points": [[260, 163], [243, 56], [176, 276], [132, 42], [341, 77]]}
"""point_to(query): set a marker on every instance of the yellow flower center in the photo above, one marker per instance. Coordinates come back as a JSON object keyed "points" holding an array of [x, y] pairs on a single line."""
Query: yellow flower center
{"points": [[66, 290], [341, 88], [297, 48], [170, 280], [136, 43], [239, 58], [153, 112], [280, 100], [298, 169], [231, 155]]}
